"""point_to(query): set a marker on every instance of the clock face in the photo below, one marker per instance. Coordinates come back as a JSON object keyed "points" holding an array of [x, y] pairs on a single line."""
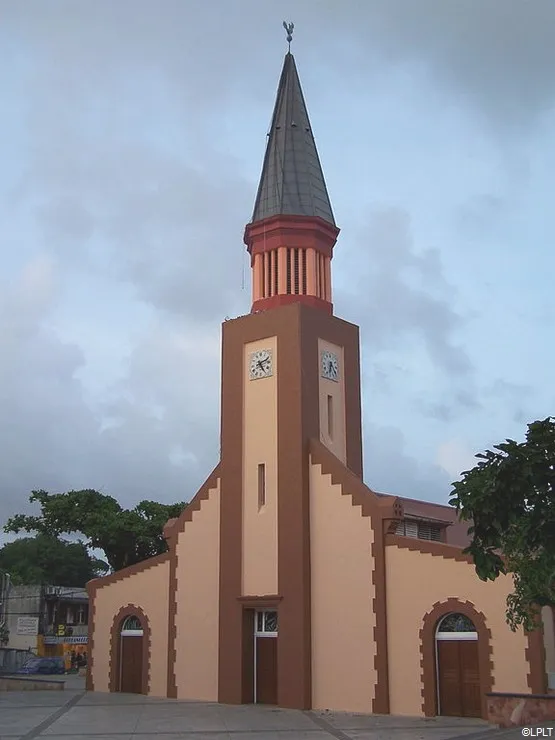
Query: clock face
{"points": [[330, 366], [261, 365]]}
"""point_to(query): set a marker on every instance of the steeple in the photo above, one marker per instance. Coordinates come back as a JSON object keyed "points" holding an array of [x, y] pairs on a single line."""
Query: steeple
{"points": [[292, 181], [292, 232]]}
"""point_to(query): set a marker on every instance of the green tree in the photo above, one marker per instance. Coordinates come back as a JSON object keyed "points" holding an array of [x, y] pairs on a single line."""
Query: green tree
{"points": [[47, 559], [509, 499], [126, 536]]}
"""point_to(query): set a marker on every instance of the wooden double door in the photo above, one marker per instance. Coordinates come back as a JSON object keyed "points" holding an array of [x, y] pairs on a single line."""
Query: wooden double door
{"points": [[266, 670], [458, 678], [131, 664]]}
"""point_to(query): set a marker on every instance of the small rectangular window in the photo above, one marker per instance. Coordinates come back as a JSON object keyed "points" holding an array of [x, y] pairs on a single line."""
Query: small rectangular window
{"points": [[330, 417], [261, 485]]}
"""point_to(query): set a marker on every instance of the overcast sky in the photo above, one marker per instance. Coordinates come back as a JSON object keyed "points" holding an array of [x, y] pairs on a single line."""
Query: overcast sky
{"points": [[132, 137]]}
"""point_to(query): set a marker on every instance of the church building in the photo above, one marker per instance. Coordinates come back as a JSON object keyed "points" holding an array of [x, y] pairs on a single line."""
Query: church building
{"points": [[289, 581]]}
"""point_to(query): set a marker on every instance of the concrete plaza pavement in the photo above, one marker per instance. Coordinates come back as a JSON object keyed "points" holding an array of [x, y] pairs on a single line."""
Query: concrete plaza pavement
{"points": [[74, 714]]}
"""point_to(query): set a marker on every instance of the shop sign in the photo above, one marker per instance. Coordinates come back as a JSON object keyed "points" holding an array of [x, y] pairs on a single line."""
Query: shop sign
{"points": [[27, 625]]}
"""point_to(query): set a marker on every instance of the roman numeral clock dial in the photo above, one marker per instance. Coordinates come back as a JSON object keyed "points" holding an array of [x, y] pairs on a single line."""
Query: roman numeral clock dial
{"points": [[261, 365], [330, 366]]}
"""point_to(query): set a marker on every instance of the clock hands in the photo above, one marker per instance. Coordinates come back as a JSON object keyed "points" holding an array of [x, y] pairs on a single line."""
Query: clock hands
{"points": [[262, 364]]}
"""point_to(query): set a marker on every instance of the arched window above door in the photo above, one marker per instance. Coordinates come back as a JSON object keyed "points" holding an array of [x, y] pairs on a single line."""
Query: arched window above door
{"points": [[456, 626], [132, 623], [456, 623]]}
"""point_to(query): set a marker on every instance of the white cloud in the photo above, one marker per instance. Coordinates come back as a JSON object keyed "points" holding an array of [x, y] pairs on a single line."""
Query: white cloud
{"points": [[134, 138], [454, 456]]}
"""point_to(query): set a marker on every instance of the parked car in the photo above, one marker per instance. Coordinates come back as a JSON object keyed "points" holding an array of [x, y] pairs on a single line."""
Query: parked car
{"points": [[44, 666]]}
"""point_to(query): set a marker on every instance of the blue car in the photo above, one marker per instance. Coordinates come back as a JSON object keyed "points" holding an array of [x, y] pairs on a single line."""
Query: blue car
{"points": [[43, 666]]}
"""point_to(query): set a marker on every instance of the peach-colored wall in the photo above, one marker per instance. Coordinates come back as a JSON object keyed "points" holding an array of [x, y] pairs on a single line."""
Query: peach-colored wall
{"points": [[414, 583], [343, 620], [260, 572], [197, 598], [336, 390], [149, 590]]}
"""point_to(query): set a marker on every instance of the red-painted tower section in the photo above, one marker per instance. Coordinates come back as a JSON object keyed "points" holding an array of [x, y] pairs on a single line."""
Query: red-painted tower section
{"points": [[292, 232]]}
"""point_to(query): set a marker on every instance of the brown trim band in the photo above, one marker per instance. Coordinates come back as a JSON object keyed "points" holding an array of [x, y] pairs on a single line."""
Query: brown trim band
{"points": [[260, 602], [131, 610], [131, 570], [286, 299], [428, 652], [287, 230], [382, 510], [437, 549]]}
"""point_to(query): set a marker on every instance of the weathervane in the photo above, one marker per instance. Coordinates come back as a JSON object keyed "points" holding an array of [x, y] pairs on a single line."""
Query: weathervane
{"points": [[289, 31]]}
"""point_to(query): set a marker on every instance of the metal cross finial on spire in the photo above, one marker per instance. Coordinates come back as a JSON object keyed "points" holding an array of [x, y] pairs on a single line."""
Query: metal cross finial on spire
{"points": [[289, 31]]}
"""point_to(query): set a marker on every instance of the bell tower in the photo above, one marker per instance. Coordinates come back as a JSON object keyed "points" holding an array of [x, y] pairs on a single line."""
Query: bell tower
{"points": [[290, 374], [292, 231]]}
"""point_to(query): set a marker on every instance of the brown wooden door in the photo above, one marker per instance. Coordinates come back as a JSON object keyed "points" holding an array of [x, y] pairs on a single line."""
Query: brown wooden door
{"points": [[266, 670], [131, 664], [459, 678]]}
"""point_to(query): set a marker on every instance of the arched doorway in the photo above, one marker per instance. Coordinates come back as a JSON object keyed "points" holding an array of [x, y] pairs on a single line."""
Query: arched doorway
{"points": [[457, 667], [131, 640]]}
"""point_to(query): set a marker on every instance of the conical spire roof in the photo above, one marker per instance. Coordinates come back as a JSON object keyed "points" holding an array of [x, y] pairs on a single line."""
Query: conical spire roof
{"points": [[292, 181]]}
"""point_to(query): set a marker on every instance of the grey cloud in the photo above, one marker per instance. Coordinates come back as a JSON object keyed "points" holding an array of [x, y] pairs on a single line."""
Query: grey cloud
{"points": [[506, 390], [480, 214], [108, 198], [389, 302], [496, 56], [450, 406], [389, 468], [165, 226], [441, 411], [52, 438]]}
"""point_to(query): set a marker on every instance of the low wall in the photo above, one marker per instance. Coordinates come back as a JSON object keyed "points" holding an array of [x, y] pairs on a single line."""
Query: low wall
{"points": [[19, 683], [510, 710], [11, 659]]}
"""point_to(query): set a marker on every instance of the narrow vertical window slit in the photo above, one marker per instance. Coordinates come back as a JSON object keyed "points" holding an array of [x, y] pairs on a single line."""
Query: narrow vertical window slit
{"points": [[261, 485], [330, 417]]}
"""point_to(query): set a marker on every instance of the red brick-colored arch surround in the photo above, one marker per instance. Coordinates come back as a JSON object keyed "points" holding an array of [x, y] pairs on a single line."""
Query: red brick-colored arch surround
{"points": [[131, 610], [535, 655], [428, 647]]}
